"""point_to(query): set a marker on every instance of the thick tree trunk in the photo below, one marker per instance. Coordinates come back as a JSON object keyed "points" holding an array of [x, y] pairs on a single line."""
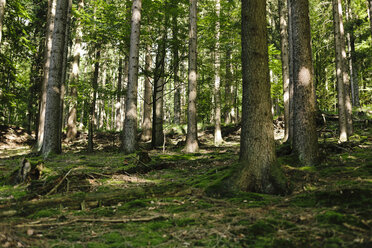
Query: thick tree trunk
{"points": [[46, 67], [305, 138], [192, 129], [52, 141], [257, 148], [74, 80], [146, 123], [343, 83], [92, 112], [130, 122], [217, 82], [283, 14], [2, 12]]}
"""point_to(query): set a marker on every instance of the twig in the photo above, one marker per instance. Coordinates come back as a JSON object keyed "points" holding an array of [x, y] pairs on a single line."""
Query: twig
{"points": [[58, 184], [140, 161], [145, 219]]}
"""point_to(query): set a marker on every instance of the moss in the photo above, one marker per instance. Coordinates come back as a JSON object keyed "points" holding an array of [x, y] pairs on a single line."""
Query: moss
{"points": [[113, 237], [45, 213], [182, 222], [332, 217], [103, 211], [261, 228], [283, 243]]}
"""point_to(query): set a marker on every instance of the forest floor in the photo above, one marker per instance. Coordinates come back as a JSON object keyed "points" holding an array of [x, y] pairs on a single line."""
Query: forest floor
{"points": [[165, 198]]}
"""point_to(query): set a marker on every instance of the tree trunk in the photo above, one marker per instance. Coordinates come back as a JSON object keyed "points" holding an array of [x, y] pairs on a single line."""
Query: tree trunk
{"points": [[92, 112], [291, 79], [2, 12], [283, 15], [46, 67], [176, 61], [130, 122], [217, 82], [146, 123], [305, 138], [370, 15], [343, 83], [118, 96], [257, 148], [74, 80], [52, 141]]}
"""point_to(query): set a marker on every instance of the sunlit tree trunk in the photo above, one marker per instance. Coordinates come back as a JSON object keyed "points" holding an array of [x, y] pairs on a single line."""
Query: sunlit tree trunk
{"points": [[130, 122], [74, 80], [52, 141], [257, 148], [305, 138], [341, 73], [146, 122], [2, 12], [92, 111], [217, 82], [192, 129], [283, 14], [46, 67]]}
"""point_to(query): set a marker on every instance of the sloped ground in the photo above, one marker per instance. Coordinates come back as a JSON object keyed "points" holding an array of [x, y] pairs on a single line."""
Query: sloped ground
{"points": [[106, 199]]}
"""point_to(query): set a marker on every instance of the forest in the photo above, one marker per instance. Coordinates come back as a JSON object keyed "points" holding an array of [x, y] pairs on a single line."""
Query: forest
{"points": [[185, 123]]}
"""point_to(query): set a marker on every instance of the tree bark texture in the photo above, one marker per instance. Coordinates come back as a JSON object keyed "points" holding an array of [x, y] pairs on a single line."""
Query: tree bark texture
{"points": [[291, 79], [118, 96], [46, 67], [130, 122], [305, 138], [217, 82], [192, 129], [343, 83], [52, 141], [2, 12], [257, 148], [92, 112], [146, 122], [74, 80], [176, 61], [283, 16], [370, 15]]}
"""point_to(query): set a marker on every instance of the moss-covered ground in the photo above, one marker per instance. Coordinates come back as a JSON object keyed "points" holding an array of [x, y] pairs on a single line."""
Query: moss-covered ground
{"points": [[107, 199]]}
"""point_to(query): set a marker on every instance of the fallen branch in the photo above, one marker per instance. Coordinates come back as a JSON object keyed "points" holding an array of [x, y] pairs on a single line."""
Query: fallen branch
{"points": [[58, 184]]}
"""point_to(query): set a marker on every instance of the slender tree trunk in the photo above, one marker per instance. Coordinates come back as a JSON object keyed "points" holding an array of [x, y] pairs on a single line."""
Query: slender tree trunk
{"points": [[370, 15], [46, 67], [283, 14], [130, 122], [118, 95], [305, 138], [291, 79], [146, 123], [52, 141], [230, 114], [341, 73], [192, 129], [2, 12], [257, 148], [92, 112], [176, 61], [74, 80], [217, 82]]}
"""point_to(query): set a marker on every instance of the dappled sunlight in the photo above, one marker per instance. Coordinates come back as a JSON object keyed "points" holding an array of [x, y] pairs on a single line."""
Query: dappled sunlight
{"points": [[305, 76]]}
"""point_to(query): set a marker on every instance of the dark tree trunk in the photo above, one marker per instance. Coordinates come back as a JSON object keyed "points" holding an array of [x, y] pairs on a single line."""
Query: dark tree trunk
{"points": [[146, 123], [2, 12]]}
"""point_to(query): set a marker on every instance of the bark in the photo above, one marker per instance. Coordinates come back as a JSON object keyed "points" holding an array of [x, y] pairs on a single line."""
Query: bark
{"points": [[343, 84], [291, 85], [118, 96], [92, 112], [71, 122], [52, 141], [2, 12], [217, 82], [230, 94], [46, 67], [146, 123], [192, 129], [176, 61], [370, 15], [283, 15], [257, 148], [130, 122], [305, 139]]}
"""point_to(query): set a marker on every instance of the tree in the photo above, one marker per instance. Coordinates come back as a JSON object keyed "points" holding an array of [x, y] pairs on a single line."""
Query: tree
{"points": [[146, 122], [343, 83], [370, 15], [217, 82], [46, 67], [176, 62], [2, 12], [305, 139], [52, 141], [130, 122], [192, 129], [71, 122], [283, 16], [257, 148]]}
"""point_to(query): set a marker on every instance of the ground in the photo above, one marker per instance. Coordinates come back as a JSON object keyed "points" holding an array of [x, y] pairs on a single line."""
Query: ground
{"points": [[164, 198]]}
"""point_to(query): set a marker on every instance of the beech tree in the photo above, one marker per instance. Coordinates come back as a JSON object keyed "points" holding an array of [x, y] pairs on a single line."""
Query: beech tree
{"points": [[258, 172], [130, 122], [305, 137], [52, 138], [192, 129]]}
